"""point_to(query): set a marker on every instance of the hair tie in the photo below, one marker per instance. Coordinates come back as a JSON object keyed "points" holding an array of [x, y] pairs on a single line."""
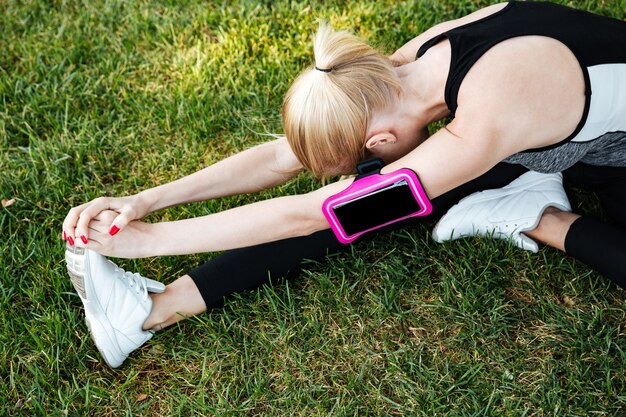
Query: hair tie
{"points": [[323, 69]]}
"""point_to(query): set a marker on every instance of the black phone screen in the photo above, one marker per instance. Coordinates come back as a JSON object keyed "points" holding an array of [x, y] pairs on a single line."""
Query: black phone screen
{"points": [[376, 208]]}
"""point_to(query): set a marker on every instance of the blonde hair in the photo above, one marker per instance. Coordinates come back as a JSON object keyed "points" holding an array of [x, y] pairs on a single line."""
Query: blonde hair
{"points": [[327, 109]]}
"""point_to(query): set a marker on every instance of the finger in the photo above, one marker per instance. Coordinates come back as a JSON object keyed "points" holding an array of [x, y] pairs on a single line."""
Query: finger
{"points": [[98, 227], [97, 242], [94, 244], [82, 225], [69, 224], [106, 216], [119, 223], [104, 221], [99, 233]]}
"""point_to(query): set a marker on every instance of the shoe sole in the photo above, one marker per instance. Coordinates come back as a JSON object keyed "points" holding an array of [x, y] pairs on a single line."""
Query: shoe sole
{"points": [[101, 331], [77, 280], [100, 334]]}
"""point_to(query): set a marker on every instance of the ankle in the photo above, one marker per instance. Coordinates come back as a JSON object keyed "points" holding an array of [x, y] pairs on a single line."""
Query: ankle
{"points": [[156, 319], [553, 227], [180, 300]]}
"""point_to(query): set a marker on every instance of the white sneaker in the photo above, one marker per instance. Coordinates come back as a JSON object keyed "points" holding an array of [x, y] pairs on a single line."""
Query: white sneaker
{"points": [[116, 303], [504, 213]]}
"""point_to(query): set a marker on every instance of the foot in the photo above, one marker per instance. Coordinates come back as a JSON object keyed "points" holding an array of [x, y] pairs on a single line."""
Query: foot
{"points": [[505, 213], [116, 303]]}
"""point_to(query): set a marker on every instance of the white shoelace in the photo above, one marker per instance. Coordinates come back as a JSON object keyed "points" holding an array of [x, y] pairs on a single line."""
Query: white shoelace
{"points": [[133, 281]]}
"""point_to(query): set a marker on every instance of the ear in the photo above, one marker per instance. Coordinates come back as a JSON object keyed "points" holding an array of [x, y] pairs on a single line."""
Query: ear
{"points": [[379, 139]]}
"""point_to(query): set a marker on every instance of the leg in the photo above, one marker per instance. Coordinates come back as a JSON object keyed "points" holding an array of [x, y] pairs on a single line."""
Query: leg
{"points": [[600, 245], [231, 272], [180, 300], [553, 227], [248, 268], [597, 244]]}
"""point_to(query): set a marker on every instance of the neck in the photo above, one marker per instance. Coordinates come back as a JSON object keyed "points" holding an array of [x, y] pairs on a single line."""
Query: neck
{"points": [[423, 87]]}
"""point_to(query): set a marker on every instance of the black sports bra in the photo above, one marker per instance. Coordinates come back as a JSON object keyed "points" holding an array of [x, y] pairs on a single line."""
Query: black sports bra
{"points": [[593, 39]]}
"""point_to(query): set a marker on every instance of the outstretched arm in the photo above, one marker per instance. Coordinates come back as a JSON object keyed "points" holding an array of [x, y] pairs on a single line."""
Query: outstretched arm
{"points": [[300, 215], [265, 221], [252, 170], [255, 169]]}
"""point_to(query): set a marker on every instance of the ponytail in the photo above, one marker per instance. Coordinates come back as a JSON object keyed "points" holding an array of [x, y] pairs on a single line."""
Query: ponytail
{"points": [[327, 109]]}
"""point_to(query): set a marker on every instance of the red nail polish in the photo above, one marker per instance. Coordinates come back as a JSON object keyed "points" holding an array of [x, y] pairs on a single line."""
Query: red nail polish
{"points": [[114, 230], [69, 239], [64, 235], [84, 239]]}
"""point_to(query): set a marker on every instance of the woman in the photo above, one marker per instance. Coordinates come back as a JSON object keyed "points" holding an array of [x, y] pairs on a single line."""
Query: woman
{"points": [[517, 78]]}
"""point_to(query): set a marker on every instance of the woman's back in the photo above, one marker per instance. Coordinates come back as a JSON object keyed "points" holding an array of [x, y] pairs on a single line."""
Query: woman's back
{"points": [[527, 72]]}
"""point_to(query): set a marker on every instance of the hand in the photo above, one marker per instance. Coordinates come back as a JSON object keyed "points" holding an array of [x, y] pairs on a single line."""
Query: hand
{"points": [[131, 242], [127, 209]]}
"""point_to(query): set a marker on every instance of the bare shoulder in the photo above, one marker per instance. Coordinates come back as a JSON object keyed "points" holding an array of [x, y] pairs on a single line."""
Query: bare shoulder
{"points": [[477, 15], [407, 52], [529, 91]]}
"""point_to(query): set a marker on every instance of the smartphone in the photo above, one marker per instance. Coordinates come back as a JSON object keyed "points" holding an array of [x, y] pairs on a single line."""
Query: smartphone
{"points": [[375, 201]]}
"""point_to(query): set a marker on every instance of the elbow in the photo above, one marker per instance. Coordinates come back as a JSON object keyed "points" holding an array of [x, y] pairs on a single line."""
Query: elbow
{"points": [[307, 215]]}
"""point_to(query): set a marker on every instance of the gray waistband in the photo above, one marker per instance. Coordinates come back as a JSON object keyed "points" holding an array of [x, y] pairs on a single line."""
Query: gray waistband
{"points": [[607, 150]]}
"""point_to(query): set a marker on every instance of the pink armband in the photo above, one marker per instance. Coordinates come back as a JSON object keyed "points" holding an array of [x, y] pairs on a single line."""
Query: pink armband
{"points": [[375, 200]]}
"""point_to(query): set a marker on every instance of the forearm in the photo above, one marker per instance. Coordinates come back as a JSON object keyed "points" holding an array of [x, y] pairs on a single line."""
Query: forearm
{"points": [[301, 215], [262, 222], [252, 170]]}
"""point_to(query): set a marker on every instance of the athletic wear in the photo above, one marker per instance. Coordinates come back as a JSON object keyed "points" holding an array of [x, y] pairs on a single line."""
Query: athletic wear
{"points": [[607, 150], [599, 44], [248, 268], [505, 213], [600, 245], [116, 303]]}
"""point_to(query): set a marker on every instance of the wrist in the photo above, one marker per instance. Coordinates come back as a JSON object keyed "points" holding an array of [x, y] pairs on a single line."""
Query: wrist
{"points": [[161, 239], [142, 244], [148, 200]]}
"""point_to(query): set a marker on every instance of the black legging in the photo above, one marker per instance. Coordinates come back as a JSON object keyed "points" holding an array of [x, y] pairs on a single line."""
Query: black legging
{"points": [[248, 268], [600, 245]]}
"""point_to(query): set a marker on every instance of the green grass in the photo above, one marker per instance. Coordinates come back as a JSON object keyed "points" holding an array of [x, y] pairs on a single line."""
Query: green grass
{"points": [[105, 97]]}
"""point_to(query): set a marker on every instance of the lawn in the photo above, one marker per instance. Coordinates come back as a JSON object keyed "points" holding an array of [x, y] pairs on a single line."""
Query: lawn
{"points": [[110, 97]]}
